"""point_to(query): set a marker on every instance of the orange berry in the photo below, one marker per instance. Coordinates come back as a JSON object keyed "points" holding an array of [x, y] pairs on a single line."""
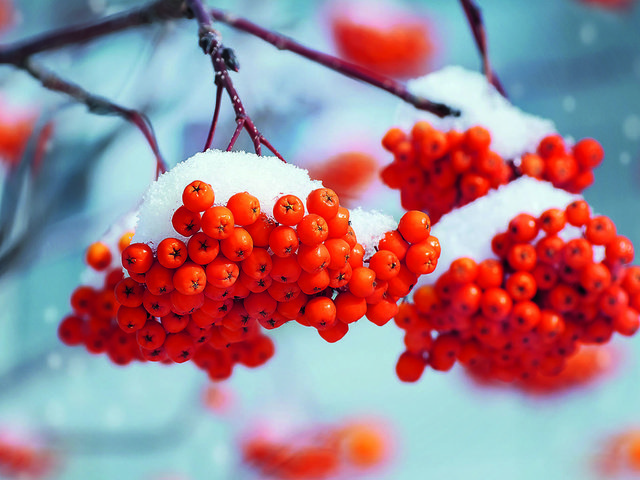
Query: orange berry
{"points": [[394, 242], [421, 258], [350, 308], [324, 202], [339, 224], [320, 312], [172, 253], [198, 196], [137, 258], [283, 241], [414, 226], [578, 213], [334, 333], [312, 229], [392, 138], [288, 210], [380, 313], [98, 256], [218, 222], [238, 245], [385, 264], [202, 249], [186, 222], [260, 230], [362, 283], [189, 279], [410, 367], [245, 208], [477, 139], [313, 258], [125, 241], [533, 165]]}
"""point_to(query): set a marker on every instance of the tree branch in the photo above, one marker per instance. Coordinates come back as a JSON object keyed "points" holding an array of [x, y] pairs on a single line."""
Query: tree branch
{"points": [[474, 17], [158, 11], [221, 58], [282, 42], [97, 105]]}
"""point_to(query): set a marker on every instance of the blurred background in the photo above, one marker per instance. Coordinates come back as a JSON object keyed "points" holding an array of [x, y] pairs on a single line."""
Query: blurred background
{"points": [[67, 176]]}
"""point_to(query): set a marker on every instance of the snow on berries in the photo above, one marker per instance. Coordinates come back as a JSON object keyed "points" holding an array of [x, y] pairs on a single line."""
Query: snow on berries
{"points": [[210, 268], [559, 279], [442, 164]]}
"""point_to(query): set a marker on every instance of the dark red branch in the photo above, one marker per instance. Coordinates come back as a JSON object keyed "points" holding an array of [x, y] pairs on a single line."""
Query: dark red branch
{"points": [[282, 42], [160, 10], [212, 46], [474, 17], [97, 105], [214, 120]]}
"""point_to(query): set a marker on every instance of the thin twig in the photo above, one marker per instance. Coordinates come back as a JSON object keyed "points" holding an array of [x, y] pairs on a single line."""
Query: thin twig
{"points": [[212, 46], [281, 42], [20, 55], [214, 120], [474, 17], [158, 11], [97, 105]]}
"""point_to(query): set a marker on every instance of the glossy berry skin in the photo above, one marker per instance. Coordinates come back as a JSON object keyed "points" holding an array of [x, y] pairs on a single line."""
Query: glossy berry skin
{"points": [[208, 298], [522, 318]]}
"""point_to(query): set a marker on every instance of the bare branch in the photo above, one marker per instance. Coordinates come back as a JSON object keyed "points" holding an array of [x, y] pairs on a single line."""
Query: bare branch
{"points": [[474, 17], [97, 105], [212, 46], [282, 42]]}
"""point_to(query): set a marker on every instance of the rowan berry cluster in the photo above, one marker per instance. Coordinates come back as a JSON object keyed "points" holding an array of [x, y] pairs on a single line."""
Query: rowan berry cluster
{"points": [[438, 171], [92, 322], [239, 270], [20, 460], [570, 169], [560, 281], [330, 452]]}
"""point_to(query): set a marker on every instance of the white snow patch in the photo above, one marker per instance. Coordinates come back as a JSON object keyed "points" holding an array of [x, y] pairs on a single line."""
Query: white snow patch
{"points": [[266, 178], [468, 230], [513, 132], [370, 228]]}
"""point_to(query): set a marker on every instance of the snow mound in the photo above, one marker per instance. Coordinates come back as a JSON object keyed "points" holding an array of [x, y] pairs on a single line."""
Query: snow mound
{"points": [[267, 178], [468, 230], [513, 132]]}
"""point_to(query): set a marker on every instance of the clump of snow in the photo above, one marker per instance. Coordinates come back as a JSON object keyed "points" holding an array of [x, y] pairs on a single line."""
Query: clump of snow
{"points": [[267, 178], [370, 227], [513, 131], [468, 230]]}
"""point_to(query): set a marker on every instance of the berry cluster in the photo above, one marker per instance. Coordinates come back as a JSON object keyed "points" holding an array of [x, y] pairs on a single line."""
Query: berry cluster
{"points": [[92, 322], [19, 460], [328, 453], [437, 171], [568, 169], [526, 313], [207, 299]]}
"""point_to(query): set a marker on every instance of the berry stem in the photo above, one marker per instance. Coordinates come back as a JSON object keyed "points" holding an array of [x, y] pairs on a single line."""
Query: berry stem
{"points": [[96, 104], [282, 42], [474, 17], [214, 120], [212, 46]]}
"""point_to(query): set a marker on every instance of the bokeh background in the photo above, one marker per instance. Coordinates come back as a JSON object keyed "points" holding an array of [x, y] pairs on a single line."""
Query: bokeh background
{"points": [[577, 64]]}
